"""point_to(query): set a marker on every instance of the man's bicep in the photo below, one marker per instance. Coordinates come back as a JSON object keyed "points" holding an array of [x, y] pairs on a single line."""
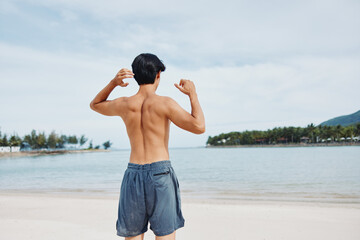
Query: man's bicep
{"points": [[179, 116], [110, 107]]}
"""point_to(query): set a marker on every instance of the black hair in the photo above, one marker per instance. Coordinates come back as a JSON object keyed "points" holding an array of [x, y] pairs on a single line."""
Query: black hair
{"points": [[145, 67]]}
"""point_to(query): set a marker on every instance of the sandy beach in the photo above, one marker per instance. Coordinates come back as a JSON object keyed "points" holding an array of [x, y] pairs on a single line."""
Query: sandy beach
{"points": [[69, 216], [47, 152]]}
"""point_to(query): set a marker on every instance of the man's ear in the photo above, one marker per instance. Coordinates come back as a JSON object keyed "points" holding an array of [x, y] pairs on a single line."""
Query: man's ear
{"points": [[158, 75]]}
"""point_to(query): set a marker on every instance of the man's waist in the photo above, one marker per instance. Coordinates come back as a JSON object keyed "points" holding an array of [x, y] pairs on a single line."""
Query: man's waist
{"points": [[150, 165]]}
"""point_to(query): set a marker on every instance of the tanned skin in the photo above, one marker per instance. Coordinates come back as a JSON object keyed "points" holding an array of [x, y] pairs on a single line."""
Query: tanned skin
{"points": [[147, 118]]}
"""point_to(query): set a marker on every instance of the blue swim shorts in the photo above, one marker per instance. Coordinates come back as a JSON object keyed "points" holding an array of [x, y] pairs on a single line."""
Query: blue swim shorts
{"points": [[149, 193]]}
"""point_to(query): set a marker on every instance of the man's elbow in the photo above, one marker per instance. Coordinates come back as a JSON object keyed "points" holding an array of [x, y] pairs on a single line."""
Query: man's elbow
{"points": [[200, 129], [92, 106]]}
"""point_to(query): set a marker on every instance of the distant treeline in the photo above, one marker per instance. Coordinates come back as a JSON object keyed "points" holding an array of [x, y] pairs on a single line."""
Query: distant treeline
{"points": [[309, 134], [40, 140]]}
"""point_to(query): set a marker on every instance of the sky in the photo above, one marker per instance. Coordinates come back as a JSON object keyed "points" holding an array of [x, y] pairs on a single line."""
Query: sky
{"points": [[255, 64]]}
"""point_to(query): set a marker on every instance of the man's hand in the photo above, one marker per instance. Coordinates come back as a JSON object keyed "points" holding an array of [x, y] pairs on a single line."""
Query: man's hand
{"points": [[186, 86], [121, 75]]}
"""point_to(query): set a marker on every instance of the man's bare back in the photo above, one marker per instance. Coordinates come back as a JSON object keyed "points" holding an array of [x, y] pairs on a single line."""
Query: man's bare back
{"points": [[147, 116], [149, 190]]}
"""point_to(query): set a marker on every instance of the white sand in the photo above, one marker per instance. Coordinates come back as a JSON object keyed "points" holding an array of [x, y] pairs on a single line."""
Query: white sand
{"points": [[49, 216]]}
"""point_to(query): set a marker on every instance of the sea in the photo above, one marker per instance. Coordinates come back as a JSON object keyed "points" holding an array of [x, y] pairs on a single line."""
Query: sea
{"points": [[308, 174]]}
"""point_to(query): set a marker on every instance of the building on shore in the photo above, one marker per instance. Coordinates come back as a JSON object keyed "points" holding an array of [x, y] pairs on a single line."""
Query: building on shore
{"points": [[304, 140], [9, 149]]}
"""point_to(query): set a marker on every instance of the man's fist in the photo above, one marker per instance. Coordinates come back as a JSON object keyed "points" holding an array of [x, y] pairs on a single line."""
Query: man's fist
{"points": [[186, 86], [121, 75]]}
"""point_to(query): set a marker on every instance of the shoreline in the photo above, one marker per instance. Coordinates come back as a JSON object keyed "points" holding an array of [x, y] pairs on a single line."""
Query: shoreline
{"points": [[51, 216], [45, 152], [208, 198], [184, 199], [286, 145]]}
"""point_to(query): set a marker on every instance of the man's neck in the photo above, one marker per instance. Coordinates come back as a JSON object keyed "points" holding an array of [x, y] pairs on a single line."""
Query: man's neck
{"points": [[147, 89]]}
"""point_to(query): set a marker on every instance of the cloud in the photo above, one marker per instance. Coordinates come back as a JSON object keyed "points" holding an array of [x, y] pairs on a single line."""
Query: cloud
{"points": [[201, 34], [255, 66], [295, 91], [8, 7], [55, 91], [69, 16]]}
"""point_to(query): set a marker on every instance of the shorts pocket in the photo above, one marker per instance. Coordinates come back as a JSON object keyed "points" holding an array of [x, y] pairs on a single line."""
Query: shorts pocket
{"points": [[162, 173], [161, 177]]}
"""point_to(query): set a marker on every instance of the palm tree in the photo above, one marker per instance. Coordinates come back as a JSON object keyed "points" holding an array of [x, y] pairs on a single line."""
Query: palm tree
{"points": [[4, 141], [321, 132], [107, 144], [348, 132], [338, 130], [83, 140], [51, 140], [311, 128], [15, 140], [357, 129], [41, 140]]}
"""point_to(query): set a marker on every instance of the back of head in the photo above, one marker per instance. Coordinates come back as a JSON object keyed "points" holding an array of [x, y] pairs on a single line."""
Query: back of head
{"points": [[145, 67]]}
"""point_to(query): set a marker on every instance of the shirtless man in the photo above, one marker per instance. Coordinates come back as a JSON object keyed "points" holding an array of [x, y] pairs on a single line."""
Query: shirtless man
{"points": [[149, 189]]}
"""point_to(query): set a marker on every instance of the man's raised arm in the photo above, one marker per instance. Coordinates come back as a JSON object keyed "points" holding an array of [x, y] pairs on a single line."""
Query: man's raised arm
{"points": [[111, 107], [194, 122]]}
